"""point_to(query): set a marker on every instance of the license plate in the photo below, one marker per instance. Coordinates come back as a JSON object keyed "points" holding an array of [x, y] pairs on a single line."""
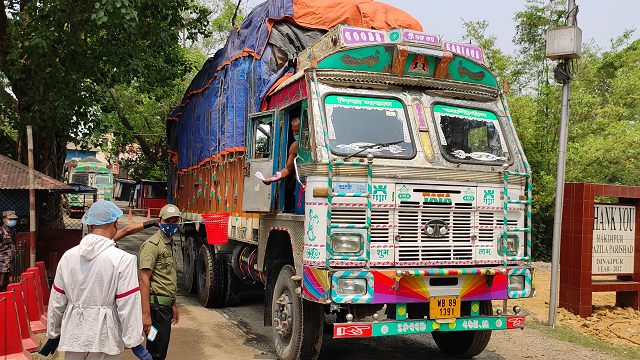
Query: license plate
{"points": [[444, 307]]}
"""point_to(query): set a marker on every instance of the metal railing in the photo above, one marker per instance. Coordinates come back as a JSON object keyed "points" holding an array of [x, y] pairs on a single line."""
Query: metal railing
{"points": [[17, 261]]}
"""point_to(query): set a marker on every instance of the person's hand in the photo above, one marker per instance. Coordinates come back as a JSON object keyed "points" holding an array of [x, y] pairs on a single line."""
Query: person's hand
{"points": [[49, 347], [150, 223], [272, 179], [146, 322], [176, 315], [141, 352]]}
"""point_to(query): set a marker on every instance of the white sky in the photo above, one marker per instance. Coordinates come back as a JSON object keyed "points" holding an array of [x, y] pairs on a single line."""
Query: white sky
{"points": [[598, 19]]}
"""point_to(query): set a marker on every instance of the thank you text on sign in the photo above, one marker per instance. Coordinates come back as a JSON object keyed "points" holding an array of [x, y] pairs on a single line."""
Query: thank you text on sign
{"points": [[614, 233]]}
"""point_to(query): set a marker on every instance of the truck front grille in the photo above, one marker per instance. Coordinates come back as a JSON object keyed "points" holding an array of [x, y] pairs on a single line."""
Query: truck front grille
{"points": [[381, 221]]}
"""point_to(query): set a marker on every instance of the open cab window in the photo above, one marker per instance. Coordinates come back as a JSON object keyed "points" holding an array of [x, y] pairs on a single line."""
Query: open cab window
{"points": [[378, 126], [262, 137], [470, 136]]}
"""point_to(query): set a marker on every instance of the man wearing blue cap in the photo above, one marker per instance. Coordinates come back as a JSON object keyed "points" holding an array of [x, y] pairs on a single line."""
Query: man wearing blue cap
{"points": [[95, 308]]}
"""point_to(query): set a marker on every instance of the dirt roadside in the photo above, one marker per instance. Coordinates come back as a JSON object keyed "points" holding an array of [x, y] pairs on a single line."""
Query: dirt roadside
{"points": [[606, 322]]}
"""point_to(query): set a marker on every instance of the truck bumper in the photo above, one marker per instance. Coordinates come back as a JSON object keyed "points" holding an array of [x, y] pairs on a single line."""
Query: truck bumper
{"points": [[389, 286], [392, 327]]}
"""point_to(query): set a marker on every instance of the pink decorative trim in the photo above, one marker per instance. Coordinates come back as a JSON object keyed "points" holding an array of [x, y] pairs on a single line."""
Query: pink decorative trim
{"points": [[430, 263], [382, 263], [313, 262], [381, 246], [346, 263]]}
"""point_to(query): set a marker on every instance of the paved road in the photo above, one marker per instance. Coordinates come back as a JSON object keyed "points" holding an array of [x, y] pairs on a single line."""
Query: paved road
{"points": [[238, 333]]}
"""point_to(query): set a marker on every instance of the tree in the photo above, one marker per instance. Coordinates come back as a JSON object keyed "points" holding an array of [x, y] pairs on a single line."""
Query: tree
{"points": [[136, 114], [59, 57], [498, 62]]}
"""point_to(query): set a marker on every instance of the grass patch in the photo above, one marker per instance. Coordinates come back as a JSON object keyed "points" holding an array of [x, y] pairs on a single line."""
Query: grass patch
{"points": [[569, 335]]}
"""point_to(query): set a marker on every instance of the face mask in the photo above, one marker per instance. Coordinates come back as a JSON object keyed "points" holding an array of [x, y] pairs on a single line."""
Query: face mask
{"points": [[169, 229], [295, 137], [11, 223]]}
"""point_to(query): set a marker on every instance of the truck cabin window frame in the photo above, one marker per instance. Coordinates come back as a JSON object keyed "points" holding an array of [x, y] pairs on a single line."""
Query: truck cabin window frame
{"points": [[262, 138], [356, 123], [305, 140], [470, 136]]}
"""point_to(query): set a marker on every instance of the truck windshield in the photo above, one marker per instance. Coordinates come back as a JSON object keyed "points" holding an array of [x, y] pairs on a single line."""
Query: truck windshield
{"points": [[468, 135], [80, 179], [355, 123], [103, 180]]}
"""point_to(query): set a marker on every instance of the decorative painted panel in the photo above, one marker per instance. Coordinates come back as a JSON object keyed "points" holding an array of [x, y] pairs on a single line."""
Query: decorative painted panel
{"points": [[372, 59], [315, 284], [421, 65], [417, 289], [289, 95], [462, 69], [315, 235]]}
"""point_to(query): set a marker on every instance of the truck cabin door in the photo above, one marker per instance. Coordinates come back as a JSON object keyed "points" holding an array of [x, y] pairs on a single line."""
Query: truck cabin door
{"points": [[257, 197]]}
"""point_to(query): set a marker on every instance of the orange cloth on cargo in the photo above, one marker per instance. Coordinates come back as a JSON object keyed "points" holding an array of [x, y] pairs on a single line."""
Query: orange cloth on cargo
{"points": [[326, 14]]}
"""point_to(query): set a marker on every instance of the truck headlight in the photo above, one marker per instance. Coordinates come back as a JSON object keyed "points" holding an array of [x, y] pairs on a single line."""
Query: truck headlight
{"points": [[516, 282], [342, 243], [351, 287]]}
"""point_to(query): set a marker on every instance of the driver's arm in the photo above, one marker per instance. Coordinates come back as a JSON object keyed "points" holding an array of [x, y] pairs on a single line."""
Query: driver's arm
{"points": [[290, 166]]}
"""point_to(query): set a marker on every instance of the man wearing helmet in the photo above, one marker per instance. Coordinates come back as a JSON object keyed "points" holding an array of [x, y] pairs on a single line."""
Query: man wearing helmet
{"points": [[158, 282], [7, 246], [95, 308]]}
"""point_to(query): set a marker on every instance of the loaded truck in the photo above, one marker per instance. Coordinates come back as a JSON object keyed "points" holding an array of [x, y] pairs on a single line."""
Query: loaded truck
{"points": [[409, 209], [89, 173]]}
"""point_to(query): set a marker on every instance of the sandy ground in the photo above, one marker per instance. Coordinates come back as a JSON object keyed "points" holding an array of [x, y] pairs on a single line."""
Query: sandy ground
{"points": [[606, 323]]}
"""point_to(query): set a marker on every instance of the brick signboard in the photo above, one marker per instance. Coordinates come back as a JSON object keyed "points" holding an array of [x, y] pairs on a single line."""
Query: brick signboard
{"points": [[600, 249]]}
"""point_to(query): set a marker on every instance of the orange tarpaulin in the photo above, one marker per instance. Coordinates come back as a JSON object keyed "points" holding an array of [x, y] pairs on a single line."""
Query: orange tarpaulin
{"points": [[326, 14]]}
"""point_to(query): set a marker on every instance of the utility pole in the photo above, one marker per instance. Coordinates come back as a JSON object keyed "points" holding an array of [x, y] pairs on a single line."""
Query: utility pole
{"points": [[32, 200], [563, 75]]}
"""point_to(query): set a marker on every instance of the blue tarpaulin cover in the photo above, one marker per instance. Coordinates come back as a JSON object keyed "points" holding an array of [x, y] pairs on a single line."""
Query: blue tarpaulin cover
{"points": [[211, 120], [234, 82]]}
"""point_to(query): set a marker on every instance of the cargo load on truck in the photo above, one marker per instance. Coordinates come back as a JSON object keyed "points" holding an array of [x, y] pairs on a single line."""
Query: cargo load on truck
{"points": [[210, 122]]}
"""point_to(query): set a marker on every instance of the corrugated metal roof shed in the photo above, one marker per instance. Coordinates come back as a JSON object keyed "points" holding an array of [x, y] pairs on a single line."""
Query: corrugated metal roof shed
{"points": [[14, 175]]}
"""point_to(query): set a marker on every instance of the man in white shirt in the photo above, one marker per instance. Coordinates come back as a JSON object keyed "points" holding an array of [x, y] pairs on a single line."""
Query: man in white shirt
{"points": [[95, 307]]}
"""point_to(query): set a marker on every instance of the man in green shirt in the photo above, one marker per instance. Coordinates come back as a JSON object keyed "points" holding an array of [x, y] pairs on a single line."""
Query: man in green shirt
{"points": [[158, 282]]}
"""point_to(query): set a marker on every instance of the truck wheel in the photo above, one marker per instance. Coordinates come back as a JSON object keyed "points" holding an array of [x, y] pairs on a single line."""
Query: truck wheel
{"points": [[189, 267], [465, 344], [297, 323], [210, 279], [233, 287]]}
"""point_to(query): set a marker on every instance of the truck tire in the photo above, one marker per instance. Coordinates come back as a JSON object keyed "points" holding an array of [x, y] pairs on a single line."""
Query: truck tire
{"points": [[465, 344], [232, 287], [297, 323], [189, 267], [210, 279]]}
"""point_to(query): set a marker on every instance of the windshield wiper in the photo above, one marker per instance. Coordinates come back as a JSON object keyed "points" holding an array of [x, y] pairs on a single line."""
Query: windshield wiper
{"points": [[369, 147]]}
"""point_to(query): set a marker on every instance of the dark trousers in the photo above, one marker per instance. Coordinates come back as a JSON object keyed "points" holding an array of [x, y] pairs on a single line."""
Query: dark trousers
{"points": [[161, 319], [4, 281]]}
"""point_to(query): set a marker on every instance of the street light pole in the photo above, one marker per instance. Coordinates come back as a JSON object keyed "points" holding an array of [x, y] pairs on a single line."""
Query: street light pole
{"points": [[562, 161]]}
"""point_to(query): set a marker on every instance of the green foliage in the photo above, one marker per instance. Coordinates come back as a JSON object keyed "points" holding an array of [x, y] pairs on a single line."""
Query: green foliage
{"points": [[498, 62], [604, 118], [136, 115], [60, 56]]}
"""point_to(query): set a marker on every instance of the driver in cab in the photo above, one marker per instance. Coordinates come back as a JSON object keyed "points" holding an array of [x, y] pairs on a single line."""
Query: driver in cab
{"points": [[293, 152]]}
